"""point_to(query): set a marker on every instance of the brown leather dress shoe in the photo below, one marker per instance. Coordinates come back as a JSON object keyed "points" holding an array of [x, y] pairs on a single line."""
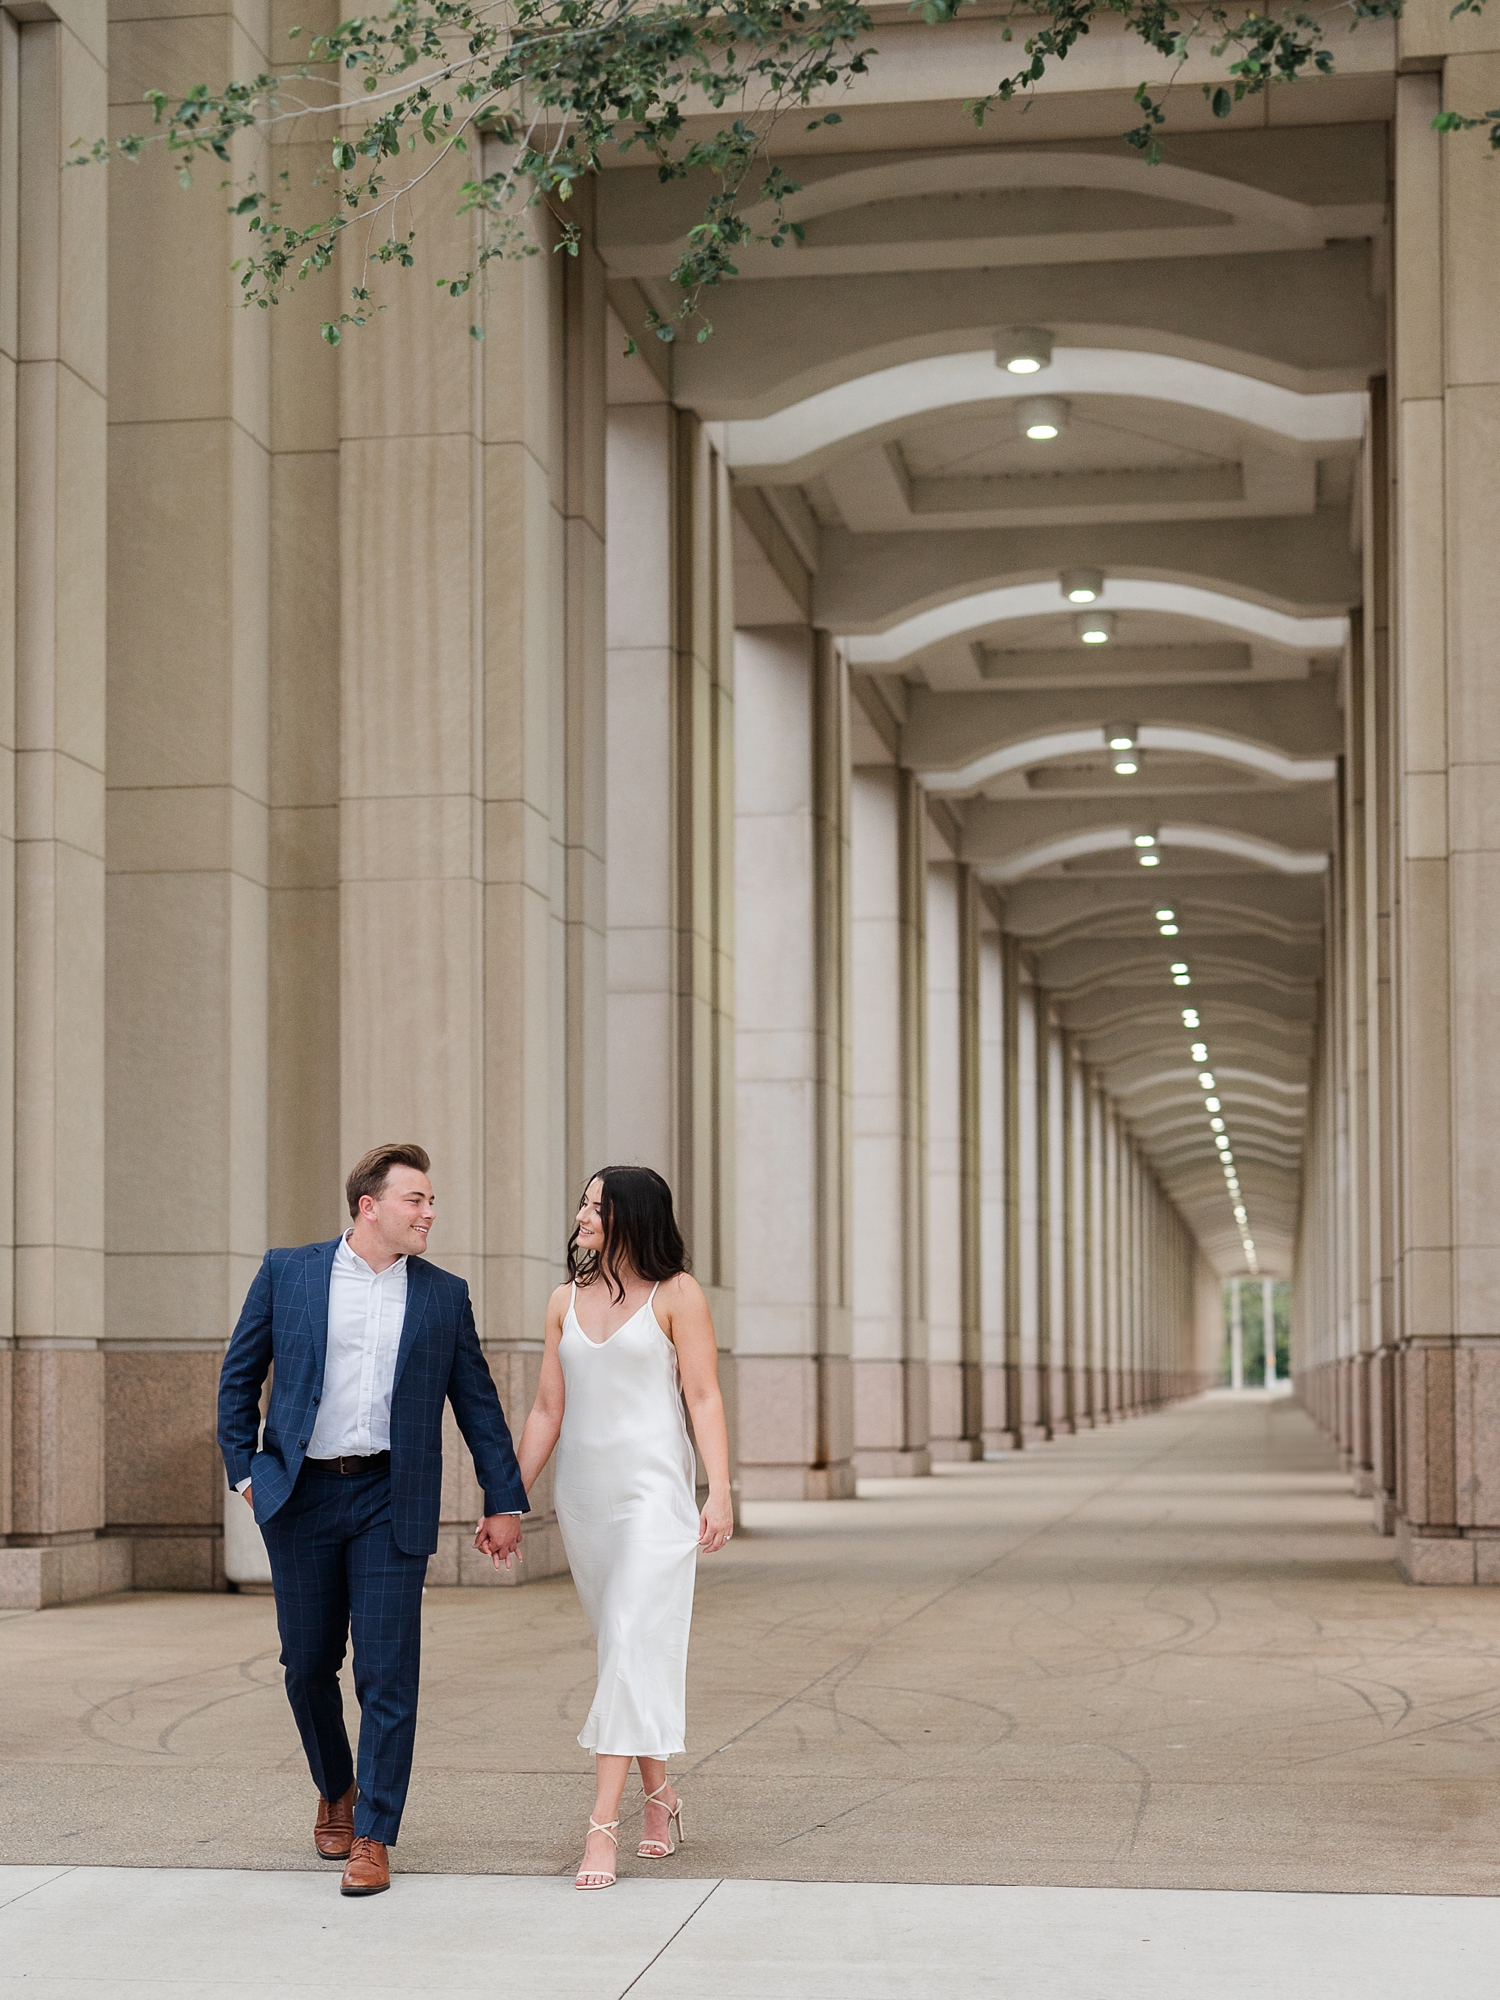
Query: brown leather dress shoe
{"points": [[333, 1831], [369, 1869]]}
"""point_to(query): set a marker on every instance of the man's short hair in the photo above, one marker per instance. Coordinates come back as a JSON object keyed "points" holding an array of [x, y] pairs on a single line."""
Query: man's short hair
{"points": [[370, 1173]]}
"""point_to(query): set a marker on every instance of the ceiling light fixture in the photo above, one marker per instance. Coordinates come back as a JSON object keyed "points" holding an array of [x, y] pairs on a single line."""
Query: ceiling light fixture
{"points": [[1127, 768], [1081, 586], [1164, 916], [1097, 628], [1023, 350], [1190, 1020], [1145, 840], [1169, 930], [1177, 966], [1181, 979], [1215, 1124], [1042, 417], [1149, 860], [1210, 1104]]}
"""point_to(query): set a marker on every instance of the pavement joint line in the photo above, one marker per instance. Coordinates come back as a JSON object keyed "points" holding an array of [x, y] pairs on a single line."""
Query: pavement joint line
{"points": [[713, 1886]]}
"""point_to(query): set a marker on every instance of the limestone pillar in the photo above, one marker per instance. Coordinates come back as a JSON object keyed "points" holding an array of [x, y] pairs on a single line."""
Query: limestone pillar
{"points": [[888, 1000], [1077, 1242], [304, 1142], [1447, 390], [792, 1097], [1052, 1124], [1031, 1405], [188, 818], [1096, 1250], [669, 819], [471, 514], [952, 1191], [52, 336], [990, 1141]]}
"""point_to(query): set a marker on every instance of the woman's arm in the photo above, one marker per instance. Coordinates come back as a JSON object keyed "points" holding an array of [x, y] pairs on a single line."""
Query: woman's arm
{"points": [[690, 1328], [539, 1439]]}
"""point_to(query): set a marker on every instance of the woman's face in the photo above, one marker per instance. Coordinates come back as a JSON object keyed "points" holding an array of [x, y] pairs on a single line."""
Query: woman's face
{"points": [[590, 1225]]}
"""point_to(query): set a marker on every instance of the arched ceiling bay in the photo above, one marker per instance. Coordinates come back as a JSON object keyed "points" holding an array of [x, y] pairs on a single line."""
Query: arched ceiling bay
{"points": [[1144, 782]]}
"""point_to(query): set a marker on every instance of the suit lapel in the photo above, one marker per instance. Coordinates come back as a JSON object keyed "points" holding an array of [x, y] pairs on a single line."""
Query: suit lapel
{"points": [[319, 1271], [418, 1304]]}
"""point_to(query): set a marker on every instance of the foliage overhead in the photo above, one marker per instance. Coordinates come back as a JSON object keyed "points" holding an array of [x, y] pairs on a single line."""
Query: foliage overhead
{"points": [[535, 92]]}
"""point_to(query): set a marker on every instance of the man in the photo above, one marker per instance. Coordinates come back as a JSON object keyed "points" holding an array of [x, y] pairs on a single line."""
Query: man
{"points": [[367, 1342]]}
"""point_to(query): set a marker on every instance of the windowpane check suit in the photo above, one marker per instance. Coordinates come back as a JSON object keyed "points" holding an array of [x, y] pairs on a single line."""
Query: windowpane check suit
{"points": [[349, 1553]]}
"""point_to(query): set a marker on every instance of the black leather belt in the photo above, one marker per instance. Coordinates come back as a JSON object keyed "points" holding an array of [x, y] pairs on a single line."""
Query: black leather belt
{"points": [[349, 1466]]}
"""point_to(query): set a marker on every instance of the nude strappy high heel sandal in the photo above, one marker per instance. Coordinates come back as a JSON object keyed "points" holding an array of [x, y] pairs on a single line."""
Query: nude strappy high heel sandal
{"points": [[658, 1850], [582, 1880]]}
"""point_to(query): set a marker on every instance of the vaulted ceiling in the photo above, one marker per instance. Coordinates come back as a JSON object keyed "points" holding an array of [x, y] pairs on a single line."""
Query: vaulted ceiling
{"points": [[1145, 777]]}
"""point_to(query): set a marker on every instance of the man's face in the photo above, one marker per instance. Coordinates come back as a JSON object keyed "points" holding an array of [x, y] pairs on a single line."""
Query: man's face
{"points": [[402, 1212]]}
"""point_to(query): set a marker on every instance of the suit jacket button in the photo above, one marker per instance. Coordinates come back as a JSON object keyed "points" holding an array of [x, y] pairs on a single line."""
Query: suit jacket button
{"points": [[302, 1444]]}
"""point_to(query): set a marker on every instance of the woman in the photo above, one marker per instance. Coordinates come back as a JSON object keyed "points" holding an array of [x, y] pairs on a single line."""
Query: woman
{"points": [[628, 1339]]}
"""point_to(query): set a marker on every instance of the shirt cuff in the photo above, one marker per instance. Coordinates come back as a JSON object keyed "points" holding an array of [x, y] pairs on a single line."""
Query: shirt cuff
{"points": [[240, 1485]]}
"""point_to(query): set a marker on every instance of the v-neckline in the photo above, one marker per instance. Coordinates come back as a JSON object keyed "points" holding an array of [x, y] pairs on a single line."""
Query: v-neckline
{"points": [[573, 1309]]}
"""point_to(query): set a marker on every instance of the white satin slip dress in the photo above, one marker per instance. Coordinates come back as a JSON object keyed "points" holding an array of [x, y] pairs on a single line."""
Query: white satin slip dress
{"points": [[627, 1507]]}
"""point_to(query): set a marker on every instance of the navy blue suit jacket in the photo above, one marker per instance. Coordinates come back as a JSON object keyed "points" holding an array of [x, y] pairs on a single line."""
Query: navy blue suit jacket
{"points": [[285, 1322]]}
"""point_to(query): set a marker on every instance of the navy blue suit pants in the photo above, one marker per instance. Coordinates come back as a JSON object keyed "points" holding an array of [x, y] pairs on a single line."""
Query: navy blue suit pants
{"points": [[338, 1573]]}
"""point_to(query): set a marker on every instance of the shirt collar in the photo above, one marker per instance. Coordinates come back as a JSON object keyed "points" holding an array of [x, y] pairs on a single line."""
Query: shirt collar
{"points": [[348, 1259]]}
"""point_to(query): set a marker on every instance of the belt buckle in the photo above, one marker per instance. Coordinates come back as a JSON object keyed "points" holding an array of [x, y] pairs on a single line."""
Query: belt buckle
{"points": [[344, 1464]]}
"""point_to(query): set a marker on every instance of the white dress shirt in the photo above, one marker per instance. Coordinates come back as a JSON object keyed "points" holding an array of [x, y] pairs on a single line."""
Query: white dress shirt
{"points": [[366, 1311]]}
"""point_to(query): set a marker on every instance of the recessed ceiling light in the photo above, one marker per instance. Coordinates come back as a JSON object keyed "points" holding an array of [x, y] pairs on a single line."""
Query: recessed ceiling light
{"points": [[1127, 769], [1081, 586], [1169, 930], [1165, 916], [1215, 1124], [1210, 1104], [1023, 350], [1097, 628], [1042, 417], [1149, 860], [1145, 840], [1178, 967], [1181, 979]]}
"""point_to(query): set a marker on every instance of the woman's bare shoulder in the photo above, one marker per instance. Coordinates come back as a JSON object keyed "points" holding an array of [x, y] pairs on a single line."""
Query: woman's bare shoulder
{"points": [[683, 1290]]}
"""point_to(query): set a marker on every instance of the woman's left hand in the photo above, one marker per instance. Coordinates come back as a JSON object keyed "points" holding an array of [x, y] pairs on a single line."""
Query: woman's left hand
{"points": [[717, 1524]]}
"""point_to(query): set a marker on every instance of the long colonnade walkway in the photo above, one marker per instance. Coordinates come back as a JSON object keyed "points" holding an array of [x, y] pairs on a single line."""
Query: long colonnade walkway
{"points": [[1166, 1656]]}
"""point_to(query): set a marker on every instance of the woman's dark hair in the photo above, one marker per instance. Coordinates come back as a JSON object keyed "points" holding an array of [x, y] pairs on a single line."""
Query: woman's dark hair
{"points": [[640, 1229]]}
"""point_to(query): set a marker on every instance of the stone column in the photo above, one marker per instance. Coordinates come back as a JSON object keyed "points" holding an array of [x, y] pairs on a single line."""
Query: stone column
{"points": [[305, 1163], [670, 826], [952, 1224], [471, 902], [52, 333], [991, 1110], [1078, 1231], [1004, 1424], [1447, 389], [188, 816], [1031, 1408], [1380, 845], [1053, 1123], [792, 1099], [888, 1002], [1096, 1250]]}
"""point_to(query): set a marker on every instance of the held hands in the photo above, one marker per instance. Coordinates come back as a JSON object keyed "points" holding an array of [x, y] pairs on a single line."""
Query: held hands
{"points": [[498, 1536], [718, 1522]]}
